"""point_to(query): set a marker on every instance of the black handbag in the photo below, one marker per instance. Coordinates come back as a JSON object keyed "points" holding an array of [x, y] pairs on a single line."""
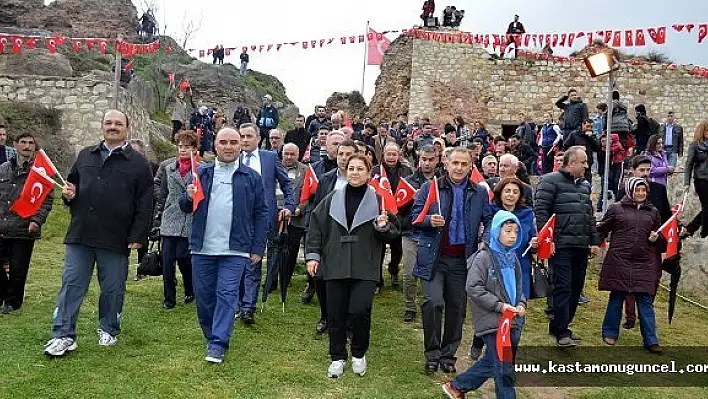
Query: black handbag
{"points": [[151, 265], [540, 283]]}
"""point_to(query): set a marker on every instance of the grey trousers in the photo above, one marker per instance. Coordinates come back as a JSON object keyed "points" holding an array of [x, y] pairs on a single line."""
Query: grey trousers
{"points": [[76, 276], [410, 283], [444, 295]]}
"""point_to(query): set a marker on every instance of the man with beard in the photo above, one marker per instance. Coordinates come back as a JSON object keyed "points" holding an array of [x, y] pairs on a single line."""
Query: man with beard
{"points": [[575, 111], [320, 118], [299, 136]]}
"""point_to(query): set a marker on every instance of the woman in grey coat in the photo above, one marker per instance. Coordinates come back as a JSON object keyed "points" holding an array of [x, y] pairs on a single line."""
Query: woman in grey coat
{"points": [[174, 225], [347, 233]]}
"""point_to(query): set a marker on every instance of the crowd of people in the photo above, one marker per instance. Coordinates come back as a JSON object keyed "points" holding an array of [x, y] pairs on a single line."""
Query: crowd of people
{"points": [[217, 220]]}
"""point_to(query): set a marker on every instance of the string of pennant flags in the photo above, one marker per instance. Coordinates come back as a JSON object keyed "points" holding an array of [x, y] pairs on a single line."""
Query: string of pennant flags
{"points": [[18, 43], [617, 38]]}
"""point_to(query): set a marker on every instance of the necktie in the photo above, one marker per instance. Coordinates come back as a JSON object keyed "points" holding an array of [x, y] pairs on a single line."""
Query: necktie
{"points": [[248, 159]]}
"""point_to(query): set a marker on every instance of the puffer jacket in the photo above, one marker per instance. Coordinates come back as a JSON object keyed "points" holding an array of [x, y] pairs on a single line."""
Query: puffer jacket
{"points": [[696, 163], [485, 287], [568, 198], [632, 263], [12, 181], [574, 113], [620, 121]]}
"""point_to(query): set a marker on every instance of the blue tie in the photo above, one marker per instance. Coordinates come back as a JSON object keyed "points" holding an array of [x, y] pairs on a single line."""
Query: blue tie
{"points": [[248, 159]]}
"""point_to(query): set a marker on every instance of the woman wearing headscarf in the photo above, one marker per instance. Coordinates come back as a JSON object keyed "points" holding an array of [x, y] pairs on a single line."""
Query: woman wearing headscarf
{"points": [[348, 231], [697, 167], [633, 262]]}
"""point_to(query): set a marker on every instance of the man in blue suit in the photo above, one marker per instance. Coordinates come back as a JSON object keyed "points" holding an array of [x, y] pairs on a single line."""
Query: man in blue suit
{"points": [[268, 165], [228, 235]]}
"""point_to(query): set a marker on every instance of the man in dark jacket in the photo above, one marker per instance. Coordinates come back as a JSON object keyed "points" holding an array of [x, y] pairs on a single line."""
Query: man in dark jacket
{"points": [[242, 115], [643, 129], [315, 121], [109, 191], [395, 171], [446, 239], [17, 234], [329, 161], [523, 152], [672, 134], [425, 173], [566, 195], [575, 111], [229, 229], [586, 139], [299, 136], [330, 181], [267, 119], [515, 28]]}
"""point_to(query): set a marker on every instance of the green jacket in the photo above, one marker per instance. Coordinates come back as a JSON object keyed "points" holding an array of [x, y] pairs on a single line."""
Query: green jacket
{"points": [[348, 253]]}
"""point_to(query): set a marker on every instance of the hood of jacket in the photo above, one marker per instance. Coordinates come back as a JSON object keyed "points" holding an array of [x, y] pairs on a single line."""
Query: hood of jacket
{"points": [[498, 221]]}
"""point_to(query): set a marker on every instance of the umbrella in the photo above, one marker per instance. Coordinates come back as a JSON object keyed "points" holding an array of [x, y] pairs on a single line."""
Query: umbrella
{"points": [[673, 267], [279, 264]]}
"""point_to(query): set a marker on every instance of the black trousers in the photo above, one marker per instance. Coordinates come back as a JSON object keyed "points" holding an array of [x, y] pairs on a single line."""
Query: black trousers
{"points": [[701, 220], [569, 268], [547, 160], [396, 255], [176, 127], [176, 249], [18, 253], [295, 235], [349, 300]]}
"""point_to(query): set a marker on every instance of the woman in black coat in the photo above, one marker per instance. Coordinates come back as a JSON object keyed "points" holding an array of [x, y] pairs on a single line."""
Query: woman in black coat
{"points": [[347, 234], [697, 168], [633, 262]]}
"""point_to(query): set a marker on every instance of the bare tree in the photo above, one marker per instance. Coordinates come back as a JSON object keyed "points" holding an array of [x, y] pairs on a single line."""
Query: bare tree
{"points": [[190, 26]]}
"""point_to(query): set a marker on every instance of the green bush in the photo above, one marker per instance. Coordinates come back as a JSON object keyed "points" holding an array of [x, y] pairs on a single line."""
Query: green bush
{"points": [[162, 149]]}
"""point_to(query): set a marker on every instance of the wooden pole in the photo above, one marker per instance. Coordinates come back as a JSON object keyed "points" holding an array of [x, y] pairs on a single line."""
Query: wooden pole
{"points": [[116, 76]]}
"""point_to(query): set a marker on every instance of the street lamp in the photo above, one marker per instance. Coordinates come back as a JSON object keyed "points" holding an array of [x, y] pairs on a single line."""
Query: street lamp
{"points": [[605, 63]]}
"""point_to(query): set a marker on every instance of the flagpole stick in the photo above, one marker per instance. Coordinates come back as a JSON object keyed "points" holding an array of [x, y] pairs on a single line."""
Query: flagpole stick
{"points": [[366, 49], [527, 250], [53, 167], [47, 177], [663, 226]]}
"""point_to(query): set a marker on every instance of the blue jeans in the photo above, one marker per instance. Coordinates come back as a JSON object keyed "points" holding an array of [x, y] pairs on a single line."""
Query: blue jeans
{"points": [[671, 156], [216, 287], [75, 278], [647, 318], [244, 67], [488, 367]]}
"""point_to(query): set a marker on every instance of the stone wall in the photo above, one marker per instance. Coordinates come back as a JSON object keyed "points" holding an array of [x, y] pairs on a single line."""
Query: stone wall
{"points": [[442, 81], [82, 103]]}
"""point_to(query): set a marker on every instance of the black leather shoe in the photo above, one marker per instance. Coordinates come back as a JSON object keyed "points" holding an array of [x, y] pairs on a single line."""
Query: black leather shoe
{"points": [[431, 367], [188, 299], [447, 368], [308, 294], [168, 305], [408, 316], [321, 326], [628, 325], [247, 318]]}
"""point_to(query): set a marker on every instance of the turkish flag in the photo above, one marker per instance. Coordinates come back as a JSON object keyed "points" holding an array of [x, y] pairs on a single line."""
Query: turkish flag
{"points": [[477, 178], [31, 43], [404, 193], [639, 39], [433, 196], [36, 189], [309, 185], [102, 45], [76, 45], [628, 38], [90, 43], [504, 350], [17, 43], [383, 188], [670, 232], [545, 239], [44, 165], [658, 35], [199, 195], [702, 31], [201, 53], [377, 47], [617, 39], [51, 44]]}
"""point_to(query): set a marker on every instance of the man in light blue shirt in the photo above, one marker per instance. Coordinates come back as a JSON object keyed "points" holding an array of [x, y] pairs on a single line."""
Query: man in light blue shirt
{"points": [[672, 133], [229, 229]]}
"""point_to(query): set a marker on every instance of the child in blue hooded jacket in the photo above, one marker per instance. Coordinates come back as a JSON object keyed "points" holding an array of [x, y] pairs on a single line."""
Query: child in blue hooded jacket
{"points": [[493, 286]]}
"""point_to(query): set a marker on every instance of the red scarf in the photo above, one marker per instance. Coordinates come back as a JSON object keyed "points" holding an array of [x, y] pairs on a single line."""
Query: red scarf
{"points": [[184, 166]]}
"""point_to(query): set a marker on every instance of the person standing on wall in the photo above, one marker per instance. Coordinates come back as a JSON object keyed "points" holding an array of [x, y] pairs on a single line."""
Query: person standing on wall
{"points": [[575, 112], [267, 119], [110, 184], [244, 61], [697, 168], [672, 134]]}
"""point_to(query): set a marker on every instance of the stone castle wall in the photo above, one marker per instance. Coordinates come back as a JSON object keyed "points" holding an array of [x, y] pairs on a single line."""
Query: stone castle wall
{"points": [[82, 103], [441, 81]]}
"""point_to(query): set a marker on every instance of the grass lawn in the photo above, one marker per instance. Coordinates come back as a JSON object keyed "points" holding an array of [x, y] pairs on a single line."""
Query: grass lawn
{"points": [[160, 353]]}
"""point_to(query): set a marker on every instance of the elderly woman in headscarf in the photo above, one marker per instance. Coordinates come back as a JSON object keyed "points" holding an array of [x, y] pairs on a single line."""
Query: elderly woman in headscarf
{"points": [[633, 262]]}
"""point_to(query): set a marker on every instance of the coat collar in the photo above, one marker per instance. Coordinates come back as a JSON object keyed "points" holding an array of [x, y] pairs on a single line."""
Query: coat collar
{"points": [[126, 150], [172, 168], [368, 208]]}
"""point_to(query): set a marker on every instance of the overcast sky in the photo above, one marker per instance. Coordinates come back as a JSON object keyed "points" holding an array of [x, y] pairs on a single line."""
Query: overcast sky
{"points": [[310, 76]]}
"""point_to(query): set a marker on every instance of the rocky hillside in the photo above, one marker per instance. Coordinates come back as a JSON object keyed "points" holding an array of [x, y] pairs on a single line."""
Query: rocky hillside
{"points": [[352, 103], [393, 84]]}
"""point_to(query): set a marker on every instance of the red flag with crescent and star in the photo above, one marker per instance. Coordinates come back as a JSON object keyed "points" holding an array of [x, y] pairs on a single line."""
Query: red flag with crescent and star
{"points": [[309, 185], [383, 188], [44, 165], [545, 239], [433, 197], [404, 193], [36, 189], [378, 44], [198, 196], [504, 351]]}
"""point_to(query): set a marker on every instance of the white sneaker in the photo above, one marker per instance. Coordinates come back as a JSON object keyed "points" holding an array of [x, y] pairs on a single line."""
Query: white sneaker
{"points": [[359, 366], [106, 339], [336, 369], [57, 347]]}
